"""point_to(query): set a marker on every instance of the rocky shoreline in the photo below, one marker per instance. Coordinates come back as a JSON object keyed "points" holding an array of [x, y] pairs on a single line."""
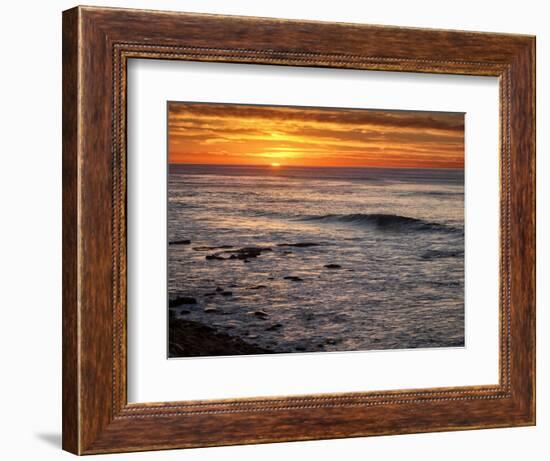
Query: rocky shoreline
{"points": [[197, 337], [193, 339]]}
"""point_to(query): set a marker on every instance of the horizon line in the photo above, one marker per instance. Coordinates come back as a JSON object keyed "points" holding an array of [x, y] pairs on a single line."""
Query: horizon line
{"points": [[282, 166]]}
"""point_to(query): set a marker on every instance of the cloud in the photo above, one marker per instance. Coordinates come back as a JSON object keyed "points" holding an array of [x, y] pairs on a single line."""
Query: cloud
{"points": [[199, 132]]}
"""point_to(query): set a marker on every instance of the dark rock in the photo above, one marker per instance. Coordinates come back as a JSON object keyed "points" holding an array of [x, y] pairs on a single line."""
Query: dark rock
{"points": [[214, 257], [437, 254], [247, 252], [299, 245], [300, 348], [308, 316], [210, 310], [184, 312], [274, 327], [333, 266], [181, 300], [226, 293], [219, 289], [208, 248], [243, 254], [293, 278], [209, 294], [261, 314], [332, 341], [180, 242], [193, 339], [257, 287]]}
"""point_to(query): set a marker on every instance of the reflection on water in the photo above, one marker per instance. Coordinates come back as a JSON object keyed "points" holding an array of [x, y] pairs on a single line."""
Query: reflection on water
{"points": [[393, 241]]}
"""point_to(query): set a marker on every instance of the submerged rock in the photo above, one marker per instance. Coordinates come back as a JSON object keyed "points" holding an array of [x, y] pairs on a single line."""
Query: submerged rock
{"points": [[293, 278], [299, 245], [243, 254], [210, 248], [247, 252], [214, 257], [181, 300], [333, 341], [437, 254], [260, 314]]}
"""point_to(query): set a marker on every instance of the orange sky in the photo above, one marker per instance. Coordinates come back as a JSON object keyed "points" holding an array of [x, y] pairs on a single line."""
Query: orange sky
{"points": [[205, 133]]}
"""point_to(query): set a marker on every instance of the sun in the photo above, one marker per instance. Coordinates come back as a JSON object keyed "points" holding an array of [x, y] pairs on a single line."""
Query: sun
{"points": [[275, 164]]}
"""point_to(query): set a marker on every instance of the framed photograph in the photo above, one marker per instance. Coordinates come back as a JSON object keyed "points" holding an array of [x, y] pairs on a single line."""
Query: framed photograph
{"points": [[281, 230]]}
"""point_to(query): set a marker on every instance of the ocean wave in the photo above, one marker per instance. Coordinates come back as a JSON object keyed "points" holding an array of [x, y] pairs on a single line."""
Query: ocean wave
{"points": [[386, 222]]}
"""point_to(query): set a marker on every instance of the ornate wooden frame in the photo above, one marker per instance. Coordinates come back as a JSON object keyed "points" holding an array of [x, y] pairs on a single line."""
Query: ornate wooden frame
{"points": [[97, 43]]}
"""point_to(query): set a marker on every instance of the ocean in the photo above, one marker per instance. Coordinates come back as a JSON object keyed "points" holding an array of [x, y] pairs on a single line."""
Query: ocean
{"points": [[297, 259]]}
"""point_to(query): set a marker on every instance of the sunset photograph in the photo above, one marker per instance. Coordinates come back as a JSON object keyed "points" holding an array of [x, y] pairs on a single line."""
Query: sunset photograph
{"points": [[313, 229]]}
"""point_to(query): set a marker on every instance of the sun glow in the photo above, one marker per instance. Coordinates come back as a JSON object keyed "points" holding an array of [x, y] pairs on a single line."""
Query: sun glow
{"points": [[280, 137]]}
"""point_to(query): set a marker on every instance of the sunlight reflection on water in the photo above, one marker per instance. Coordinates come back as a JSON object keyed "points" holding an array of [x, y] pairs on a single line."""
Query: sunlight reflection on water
{"points": [[401, 281]]}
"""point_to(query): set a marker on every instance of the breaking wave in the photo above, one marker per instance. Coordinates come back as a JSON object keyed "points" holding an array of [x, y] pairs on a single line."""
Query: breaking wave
{"points": [[386, 222]]}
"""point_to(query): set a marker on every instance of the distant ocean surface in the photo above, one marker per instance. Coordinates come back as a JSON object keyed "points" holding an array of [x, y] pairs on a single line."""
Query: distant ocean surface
{"points": [[397, 236]]}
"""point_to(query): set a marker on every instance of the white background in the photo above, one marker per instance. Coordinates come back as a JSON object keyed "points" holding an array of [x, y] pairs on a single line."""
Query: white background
{"points": [[30, 244], [152, 378]]}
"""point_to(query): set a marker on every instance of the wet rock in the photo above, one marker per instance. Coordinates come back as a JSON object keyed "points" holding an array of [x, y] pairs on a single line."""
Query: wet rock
{"points": [[210, 248], [260, 314], [293, 278], [181, 300], [214, 257], [299, 245], [333, 341], [333, 266], [437, 254], [258, 287], [242, 254], [246, 253], [193, 339], [180, 242]]}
